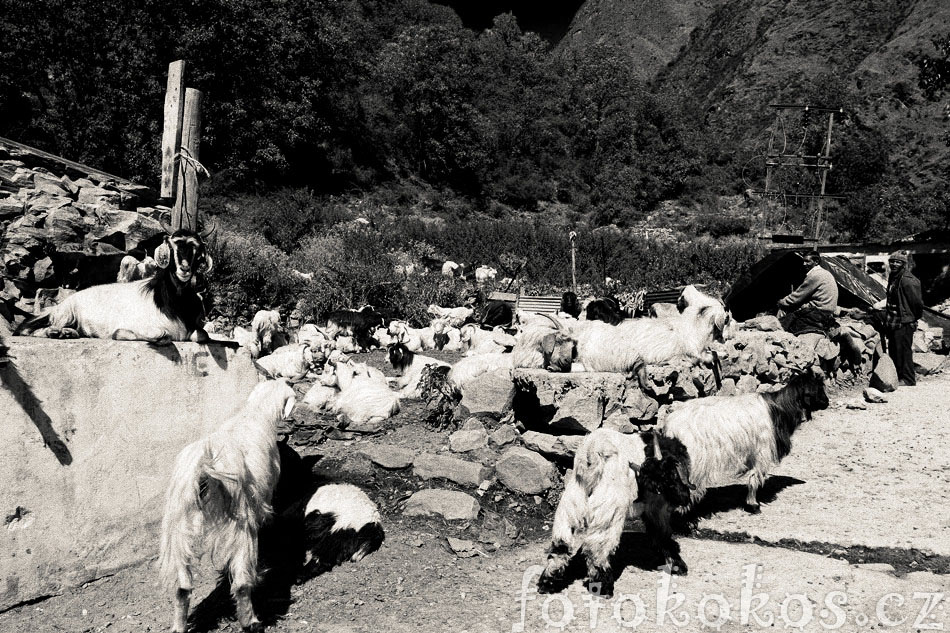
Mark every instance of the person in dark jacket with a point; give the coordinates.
(904, 307)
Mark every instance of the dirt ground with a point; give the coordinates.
(854, 535)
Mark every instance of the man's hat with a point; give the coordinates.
(898, 256)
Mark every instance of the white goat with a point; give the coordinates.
(221, 489)
(600, 493)
(416, 339)
(363, 398)
(312, 335)
(161, 309)
(469, 368)
(445, 337)
(131, 269)
(290, 361)
(484, 274)
(266, 330)
(544, 347)
(449, 268)
(455, 317)
(478, 341)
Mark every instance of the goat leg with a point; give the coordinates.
(657, 517)
(245, 610)
(182, 602)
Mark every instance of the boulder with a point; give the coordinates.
(447, 504)
(492, 392)
(525, 471)
(470, 437)
(429, 466)
(559, 445)
(503, 435)
(388, 456)
(929, 363)
(884, 375)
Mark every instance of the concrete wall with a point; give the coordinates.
(89, 430)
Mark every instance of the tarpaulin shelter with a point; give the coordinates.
(780, 272)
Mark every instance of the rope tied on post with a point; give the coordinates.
(184, 155)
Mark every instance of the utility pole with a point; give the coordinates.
(820, 162)
(181, 139)
(573, 236)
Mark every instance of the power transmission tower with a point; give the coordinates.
(819, 162)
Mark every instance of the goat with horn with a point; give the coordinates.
(161, 309)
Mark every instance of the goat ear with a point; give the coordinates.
(209, 262)
(683, 474)
(548, 343)
(163, 254)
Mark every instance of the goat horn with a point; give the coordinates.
(557, 323)
(656, 447)
(165, 225)
(206, 234)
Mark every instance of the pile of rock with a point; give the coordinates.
(64, 228)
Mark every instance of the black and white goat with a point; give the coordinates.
(360, 324)
(221, 490)
(743, 437)
(161, 309)
(409, 366)
(341, 523)
(611, 475)
(606, 309)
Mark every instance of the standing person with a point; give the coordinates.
(812, 306)
(905, 305)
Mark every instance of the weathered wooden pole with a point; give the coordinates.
(171, 132)
(573, 236)
(185, 214)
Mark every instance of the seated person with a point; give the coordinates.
(812, 306)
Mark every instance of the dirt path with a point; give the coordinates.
(876, 478)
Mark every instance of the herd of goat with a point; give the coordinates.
(222, 487)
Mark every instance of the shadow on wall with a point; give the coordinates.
(25, 397)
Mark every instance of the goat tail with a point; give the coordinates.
(200, 497)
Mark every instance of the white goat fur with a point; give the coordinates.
(363, 398)
(471, 367)
(599, 494)
(221, 489)
(453, 316)
(290, 361)
(265, 328)
(103, 311)
(729, 439)
(478, 341)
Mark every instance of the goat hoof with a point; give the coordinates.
(601, 584)
(254, 627)
(752, 509)
(677, 567)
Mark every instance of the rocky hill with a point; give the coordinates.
(736, 57)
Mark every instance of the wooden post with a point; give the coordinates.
(171, 132)
(824, 176)
(185, 214)
(573, 236)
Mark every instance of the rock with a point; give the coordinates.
(448, 504)
(560, 445)
(97, 196)
(728, 387)
(465, 440)
(884, 374)
(764, 323)
(429, 466)
(463, 548)
(525, 471)
(827, 350)
(929, 363)
(884, 567)
(388, 456)
(373, 425)
(43, 270)
(48, 184)
(747, 384)
(855, 404)
(10, 208)
(503, 435)
(491, 392)
(873, 395)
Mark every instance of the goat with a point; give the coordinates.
(341, 523)
(484, 274)
(266, 331)
(449, 268)
(446, 338)
(600, 493)
(497, 314)
(471, 367)
(221, 488)
(479, 341)
(409, 365)
(356, 323)
(743, 436)
(131, 269)
(545, 348)
(312, 335)
(606, 309)
(291, 362)
(455, 317)
(363, 398)
(161, 309)
(570, 305)
(415, 339)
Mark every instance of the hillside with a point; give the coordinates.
(734, 58)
